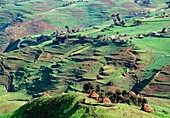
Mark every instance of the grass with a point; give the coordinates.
(8, 106)
(94, 71)
(69, 105)
(153, 51)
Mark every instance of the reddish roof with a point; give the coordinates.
(106, 100)
(146, 108)
(132, 93)
(94, 95)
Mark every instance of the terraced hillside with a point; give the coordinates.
(60, 48)
(110, 55)
(20, 18)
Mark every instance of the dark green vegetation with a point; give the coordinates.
(128, 51)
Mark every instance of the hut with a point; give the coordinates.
(106, 100)
(146, 108)
(140, 36)
(132, 93)
(94, 95)
(46, 94)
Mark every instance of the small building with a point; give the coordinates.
(140, 36)
(94, 95)
(106, 100)
(147, 108)
(153, 33)
(132, 93)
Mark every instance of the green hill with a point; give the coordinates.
(71, 106)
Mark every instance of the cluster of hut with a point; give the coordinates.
(162, 33)
(155, 34)
(163, 15)
(73, 2)
(145, 107)
(123, 39)
(60, 33)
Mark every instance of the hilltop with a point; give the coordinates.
(71, 106)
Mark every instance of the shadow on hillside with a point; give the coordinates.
(138, 87)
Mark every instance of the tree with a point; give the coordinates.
(88, 87)
(123, 23)
(98, 88)
(146, 2)
(164, 30)
(118, 92)
(102, 95)
(118, 17)
(117, 32)
(113, 17)
(125, 93)
(67, 28)
(137, 22)
(135, 1)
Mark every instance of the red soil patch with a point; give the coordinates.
(167, 68)
(112, 109)
(157, 89)
(44, 25)
(29, 27)
(88, 65)
(163, 78)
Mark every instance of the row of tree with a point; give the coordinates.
(117, 96)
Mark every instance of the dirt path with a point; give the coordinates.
(146, 63)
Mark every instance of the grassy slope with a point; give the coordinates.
(21, 18)
(70, 106)
(159, 53)
(8, 106)
(67, 65)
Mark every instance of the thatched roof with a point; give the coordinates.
(106, 100)
(147, 108)
(132, 93)
(94, 95)
(140, 36)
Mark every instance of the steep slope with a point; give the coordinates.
(65, 63)
(19, 18)
(134, 56)
(71, 60)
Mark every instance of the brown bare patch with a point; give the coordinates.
(112, 109)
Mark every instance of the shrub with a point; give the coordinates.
(118, 91)
(102, 95)
(88, 87)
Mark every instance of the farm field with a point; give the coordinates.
(66, 51)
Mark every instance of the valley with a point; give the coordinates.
(52, 53)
